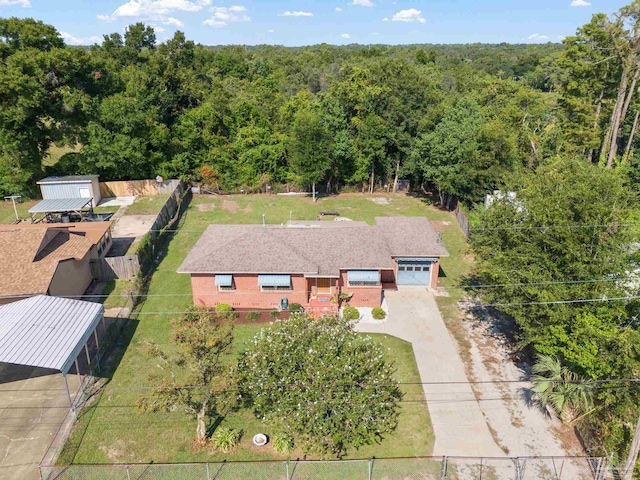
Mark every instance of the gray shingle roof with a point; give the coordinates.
(313, 249)
(57, 205)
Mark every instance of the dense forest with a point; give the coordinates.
(555, 123)
(355, 116)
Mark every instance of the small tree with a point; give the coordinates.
(322, 383)
(555, 386)
(208, 389)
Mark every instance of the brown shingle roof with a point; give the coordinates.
(29, 258)
(93, 231)
(314, 250)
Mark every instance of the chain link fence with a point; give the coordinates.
(423, 468)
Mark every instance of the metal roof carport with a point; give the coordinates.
(61, 205)
(48, 332)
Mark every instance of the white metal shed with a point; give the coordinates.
(48, 332)
(75, 186)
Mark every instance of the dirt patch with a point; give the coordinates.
(380, 200)
(206, 207)
(248, 209)
(440, 225)
(230, 206)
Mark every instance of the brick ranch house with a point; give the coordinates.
(257, 267)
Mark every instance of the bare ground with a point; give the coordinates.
(519, 426)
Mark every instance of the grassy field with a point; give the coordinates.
(147, 205)
(112, 429)
(7, 215)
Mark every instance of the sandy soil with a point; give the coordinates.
(519, 427)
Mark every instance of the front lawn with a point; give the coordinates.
(112, 430)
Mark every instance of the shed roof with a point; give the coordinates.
(68, 179)
(59, 205)
(46, 332)
(316, 250)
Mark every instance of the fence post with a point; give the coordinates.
(128, 474)
(443, 471)
(287, 468)
(370, 468)
(208, 474)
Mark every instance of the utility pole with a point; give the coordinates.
(13, 199)
(633, 454)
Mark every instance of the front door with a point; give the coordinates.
(323, 285)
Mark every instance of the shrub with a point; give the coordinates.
(283, 442)
(223, 308)
(295, 307)
(350, 313)
(345, 297)
(226, 439)
(378, 313)
(253, 316)
(274, 314)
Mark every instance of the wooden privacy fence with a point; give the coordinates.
(115, 268)
(130, 188)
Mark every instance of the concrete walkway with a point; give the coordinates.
(458, 423)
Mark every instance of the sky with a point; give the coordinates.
(307, 22)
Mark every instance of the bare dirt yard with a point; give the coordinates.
(519, 426)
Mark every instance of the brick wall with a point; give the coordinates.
(247, 294)
(362, 296)
(435, 270)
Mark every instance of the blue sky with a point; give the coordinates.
(305, 22)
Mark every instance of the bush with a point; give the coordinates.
(223, 308)
(283, 443)
(378, 313)
(253, 316)
(295, 307)
(274, 314)
(226, 439)
(350, 313)
(345, 297)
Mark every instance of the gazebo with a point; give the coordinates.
(48, 332)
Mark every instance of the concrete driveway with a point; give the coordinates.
(458, 423)
(33, 406)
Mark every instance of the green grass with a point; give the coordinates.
(55, 153)
(147, 205)
(7, 215)
(112, 429)
(115, 291)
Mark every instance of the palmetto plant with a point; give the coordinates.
(564, 392)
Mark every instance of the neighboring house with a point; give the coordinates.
(98, 233)
(75, 186)
(311, 263)
(43, 261)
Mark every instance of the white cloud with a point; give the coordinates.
(173, 21)
(338, 9)
(580, 3)
(536, 37)
(79, 40)
(271, 30)
(297, 13)
(22, 3)
(159, 29)
(561, 37)
(106, 18)
(222, 16)
(385, 19)
(345, 35)
(363, 3)
(410, 15)
(157, 8)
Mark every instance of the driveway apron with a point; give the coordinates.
(458, 423)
